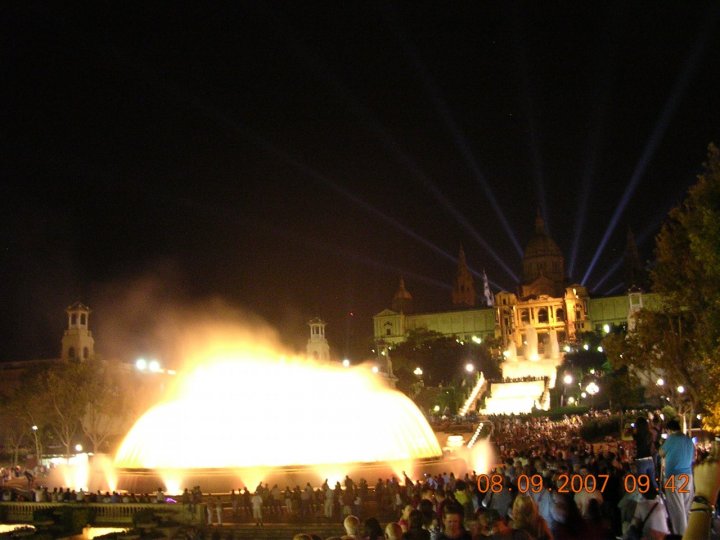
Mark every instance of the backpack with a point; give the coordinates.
(635, 531)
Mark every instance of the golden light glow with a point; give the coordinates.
(244, 406)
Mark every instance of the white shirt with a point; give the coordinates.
(657, 520)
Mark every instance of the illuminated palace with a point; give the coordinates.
(533, 324)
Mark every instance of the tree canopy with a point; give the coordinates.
(680, 342)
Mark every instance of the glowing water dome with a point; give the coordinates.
(252, 410)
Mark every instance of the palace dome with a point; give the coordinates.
(543, 264)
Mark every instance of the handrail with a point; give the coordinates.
(105, 513)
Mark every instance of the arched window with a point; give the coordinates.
(71, 352)
(542, 315)
(82, 319)
(560, 314)
(86, 353)
(524, 316)
(73, 319)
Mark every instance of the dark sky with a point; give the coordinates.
(294, 158)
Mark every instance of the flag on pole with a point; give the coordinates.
(489, 298)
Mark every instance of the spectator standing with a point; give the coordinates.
(218, 510)
(644, 450)
(257, 503)
(678, 452)
(453, 528)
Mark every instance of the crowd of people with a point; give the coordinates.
(551, 484)
(548, 484)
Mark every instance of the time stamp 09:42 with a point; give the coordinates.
(575, 483)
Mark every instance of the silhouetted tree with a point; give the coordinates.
(679, 341)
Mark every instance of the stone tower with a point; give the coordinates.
(463, 294)
(635, 275)
(402, 301)
(317, 346)
(543, 265)
(77, 341)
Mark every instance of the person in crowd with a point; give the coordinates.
(351, 524)
(707, 485)
(373, 530)
(677, 452)
(218, 510)
(500, 501)
(584, 497)
(405, 516)
(644, 450)
(453, 527)
(257, 508)
(651, 516)
(525, 517)
(416, 530)
(393, 531)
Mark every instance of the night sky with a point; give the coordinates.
(293, 159)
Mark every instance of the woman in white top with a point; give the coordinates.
(651, 510)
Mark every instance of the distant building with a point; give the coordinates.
(77, 341)
(544, 301)
(318, 347)
(77, 344)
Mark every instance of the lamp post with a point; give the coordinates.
(37, 443)
(592, 389)
(567, 381)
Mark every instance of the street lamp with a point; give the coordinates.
(418, 371)
(78, 447)
(346, 363)
(568, 380)
(37, 443)
(681, 389)
(660, 381)
(592, 389)
(469, 367)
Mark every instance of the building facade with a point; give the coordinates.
(544, 302)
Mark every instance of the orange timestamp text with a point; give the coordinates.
(576, 483)
(533, 483)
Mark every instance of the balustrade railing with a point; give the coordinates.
(105, 513)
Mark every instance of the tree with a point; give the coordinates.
(443, 358)
(65, 390)
(679, 342)
(13, 423)
(110, 393)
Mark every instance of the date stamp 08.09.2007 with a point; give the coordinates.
(576, 483)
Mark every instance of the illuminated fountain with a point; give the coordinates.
(245, 414)
(531, 376)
